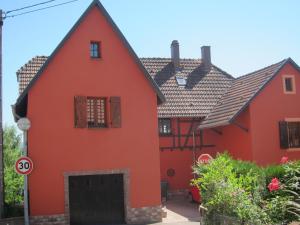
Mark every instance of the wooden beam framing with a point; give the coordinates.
(187, 147)
(179, 133)
(189, 133)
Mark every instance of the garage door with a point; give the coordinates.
(96, 199)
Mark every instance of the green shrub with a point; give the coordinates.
(239, 189)
(13, 182)
(274, 171)
(230, 191)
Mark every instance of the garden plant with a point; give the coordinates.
(248, 193)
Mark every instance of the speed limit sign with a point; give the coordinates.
(24, 165)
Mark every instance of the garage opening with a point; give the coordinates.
(96, 199)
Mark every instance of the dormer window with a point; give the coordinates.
(181, 81)
(289, 84)
(95, 49)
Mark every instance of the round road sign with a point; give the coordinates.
(23, 124)
(24, 165)
(204, 158)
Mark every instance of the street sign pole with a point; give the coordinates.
(1, 128)
(26, 214)
(24, 125)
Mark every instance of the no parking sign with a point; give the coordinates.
(24, 165)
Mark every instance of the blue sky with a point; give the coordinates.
(243, 35)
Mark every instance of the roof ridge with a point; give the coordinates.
(169, 58)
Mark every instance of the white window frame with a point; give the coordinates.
(293, 84)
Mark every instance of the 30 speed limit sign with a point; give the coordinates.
(24, 165)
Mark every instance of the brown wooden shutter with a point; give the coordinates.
(80, 111)
(283, 132)
(115, 112)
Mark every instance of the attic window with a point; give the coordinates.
(181, 81)
(289, 84)
(95, 49)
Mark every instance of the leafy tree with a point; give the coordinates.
(13, 182)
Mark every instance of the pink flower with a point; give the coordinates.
(274, 185)
(284, 160)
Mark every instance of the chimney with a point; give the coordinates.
(175, 54)
(206, 60)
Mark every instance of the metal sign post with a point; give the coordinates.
(24, 125)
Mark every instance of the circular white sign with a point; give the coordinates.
(24, 165)
(23, 124)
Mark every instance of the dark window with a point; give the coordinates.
(95, 49)
(288, 84)
(164, 126)
(96, 112)
(289, 134)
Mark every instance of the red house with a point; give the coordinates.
(93, 139)
(255, 117)
(102, 108)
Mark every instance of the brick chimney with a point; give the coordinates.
(206, 60)
(175, 54)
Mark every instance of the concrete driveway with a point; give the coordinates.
(180, 211)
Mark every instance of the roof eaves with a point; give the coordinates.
(284, 62)
(107, 16)
(213, 125)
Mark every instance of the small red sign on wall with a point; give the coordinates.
(204, 158)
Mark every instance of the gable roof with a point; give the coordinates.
(23, 96)
(200, 94)
(242, 91)
(196, 99)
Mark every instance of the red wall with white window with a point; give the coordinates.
(268, 108)
(56, 147)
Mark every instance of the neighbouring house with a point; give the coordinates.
(190, 107)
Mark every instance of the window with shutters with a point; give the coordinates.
(164, 126)
(92, 112)
(289, 84)
(289, 134)
(96, 112)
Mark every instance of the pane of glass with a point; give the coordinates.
(294, 134)
(181, 81)
(288, 84)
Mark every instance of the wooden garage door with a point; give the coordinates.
(96, 199)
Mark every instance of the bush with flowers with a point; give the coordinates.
(251, 194)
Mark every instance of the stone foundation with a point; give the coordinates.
(133, 216)
(144, 215)
(60, 219)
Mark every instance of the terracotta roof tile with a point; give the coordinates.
(195, 99)
(29, 70)
(242, 90)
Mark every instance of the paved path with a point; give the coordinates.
(180, 211)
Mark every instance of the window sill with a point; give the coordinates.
(96, 58)
(165, 135)
(97, 128)
(293, 149)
